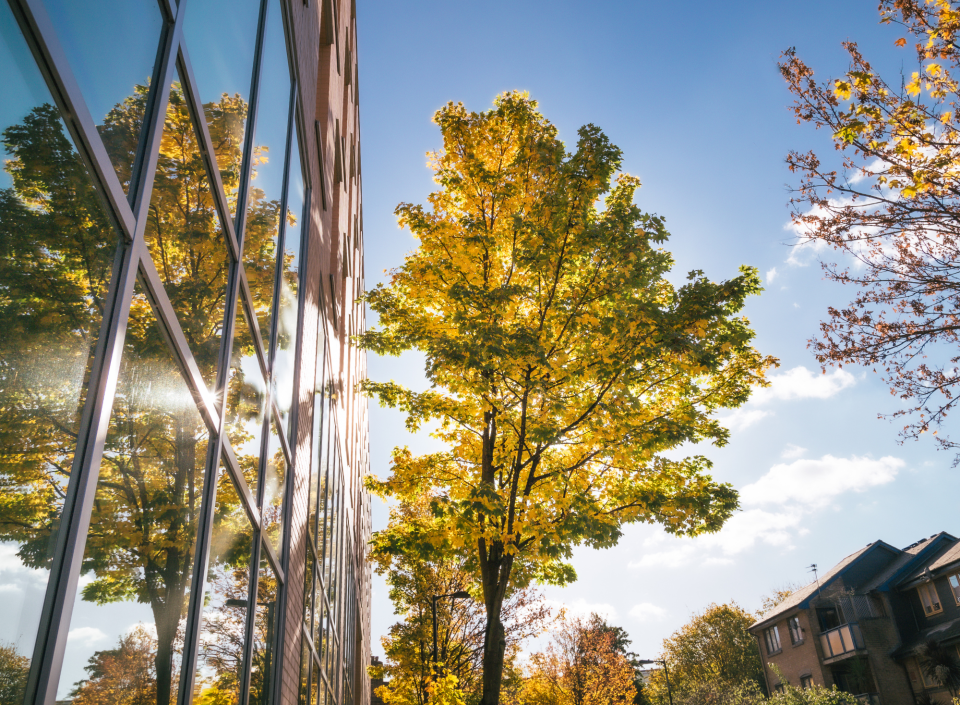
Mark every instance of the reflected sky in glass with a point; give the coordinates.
(94, 35)
(220, 37)
(270, 140)
(21, 84)
(289, 290)
(274, 488)
(246, 400)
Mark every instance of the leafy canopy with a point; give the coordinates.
(562, 362)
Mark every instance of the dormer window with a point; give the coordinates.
(930, 599)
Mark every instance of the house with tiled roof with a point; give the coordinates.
(859, 625)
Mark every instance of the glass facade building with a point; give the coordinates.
(182, 515)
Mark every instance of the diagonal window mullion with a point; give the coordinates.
(189, 87)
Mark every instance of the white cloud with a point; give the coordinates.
(647, 612)
(739, 419)
(777, 509)
(86, 635)
(582, 608)
(801, 383)
(792, 451)
(771, 274)
(815, 483)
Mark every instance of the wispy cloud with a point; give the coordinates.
(582, 608)
(816, 483)
(801, 383)
(771, 274)
(86, 635)
(792, 451)
(739, 419)
(647, 612)
(777, 508)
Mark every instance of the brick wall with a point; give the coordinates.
(328, 107)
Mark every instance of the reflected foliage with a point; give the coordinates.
(57, 250)
(56, 253)
(14, 670)
(121, 676)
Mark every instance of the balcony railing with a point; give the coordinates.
(841, 640)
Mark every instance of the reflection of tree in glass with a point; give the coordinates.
(56, 252)
(121, 676)
(223, 639)
(14, 670)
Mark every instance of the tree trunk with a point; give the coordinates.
(494, 648)
(164, 664)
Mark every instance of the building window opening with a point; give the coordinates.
(930, 599)
(955, 586)
(796, 631)
(829, 618)
(772, 638)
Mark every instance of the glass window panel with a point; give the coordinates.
(325, 510)
(246, 400)
(287, 316)
(56, 255)
(318, 690)
(185, 238)
(306, 666)
(263, 635)
(309, 574)
(270, 143)
(223, 630)
(221, 36)
(333, 548)
(138, 559)
(318, 479)
(274, 488)
(93, 36)
(955, 587)
(320, 619)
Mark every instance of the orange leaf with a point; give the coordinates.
(902, 42)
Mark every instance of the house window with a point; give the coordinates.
(772, 637)
(955, 586)
(806, 682)
(796, 631)
(930, 599)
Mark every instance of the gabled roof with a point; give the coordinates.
(949, 557)
(883, 579)
(800, 598)
(946, 551)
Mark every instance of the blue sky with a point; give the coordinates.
(692, 95)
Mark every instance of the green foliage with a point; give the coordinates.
(562, 363)
(14, 670)
(713, 649)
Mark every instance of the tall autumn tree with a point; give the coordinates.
(888, 206)
(562, 362)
